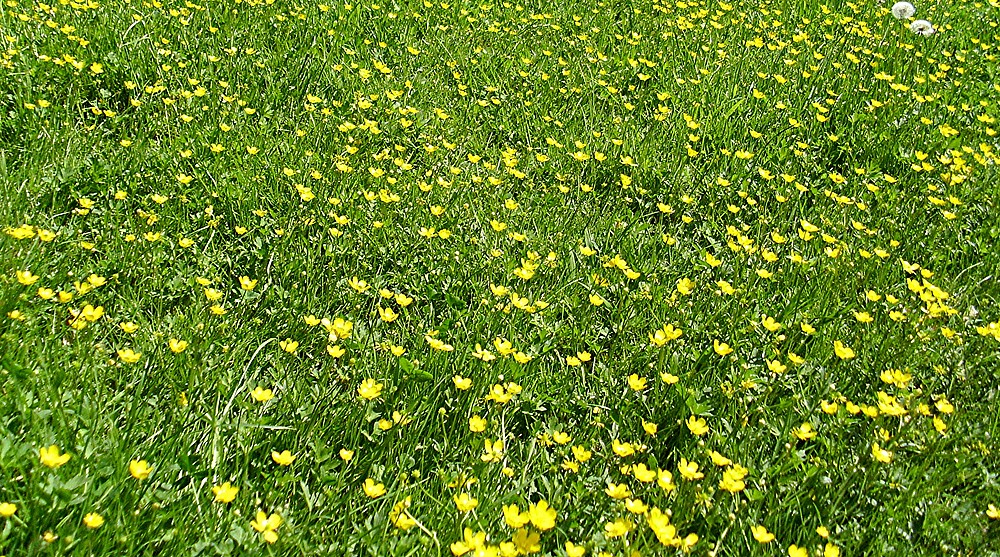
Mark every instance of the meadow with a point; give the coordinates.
(515, 277)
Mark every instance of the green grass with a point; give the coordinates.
(780, 176)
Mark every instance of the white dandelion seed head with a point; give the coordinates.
(903, 10)
(922, 27)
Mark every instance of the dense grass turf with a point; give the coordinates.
(569, 278)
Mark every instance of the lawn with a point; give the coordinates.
(499, 278)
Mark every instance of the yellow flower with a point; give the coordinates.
(804, 432)
(618, 491)
(7, 510)
(685, 286)
(213, 295)
(697, 425)
(664, 335)
(370, 389)
(581, 454)
(622, 449)
(993, 512)
(761, 534)
(718, 459)
(636, 506)
(831, 550)
(721, 348)
(618, 528)
(357, 285)
(513, 516)
(526, 542)
(400, 517)
(669, 378)
(177, 346)
(246, 283)
(880, 454)
(264, 523)
(477, 424)
(373, 489)
(289, 345)
(93, 521)
(665, 480)
(283, 458)
(643, 473)
(140, 469)
(732, 481)
(493, 452)
(225, 493)
(573, 550)
(842, 351)
(387, 314)
(128, 356)
(636, 383)
(261, 395)
(796, 551)
(50, 456)
(26, 277)
(346, 455)
(689, 470)
(465, 502)
(542, 515)
(461, 383)
(472, 541)
(770, 324)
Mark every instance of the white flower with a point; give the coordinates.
(922, 27)
(903, 10)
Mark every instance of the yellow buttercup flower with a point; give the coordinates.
(465, 502)
(689, 470)
(843, 351)
(7, 510)
(636, 383)
(284, 458)
(761, 534)
(93, 521)
(697, 425)
(796, 551)
(139, 469)
(129, 356)
(51, 457)
(260, 394)
(880, 454)
(27, 278)
(370, 389)
(373, 489)
(721, 348)
(542, 516)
